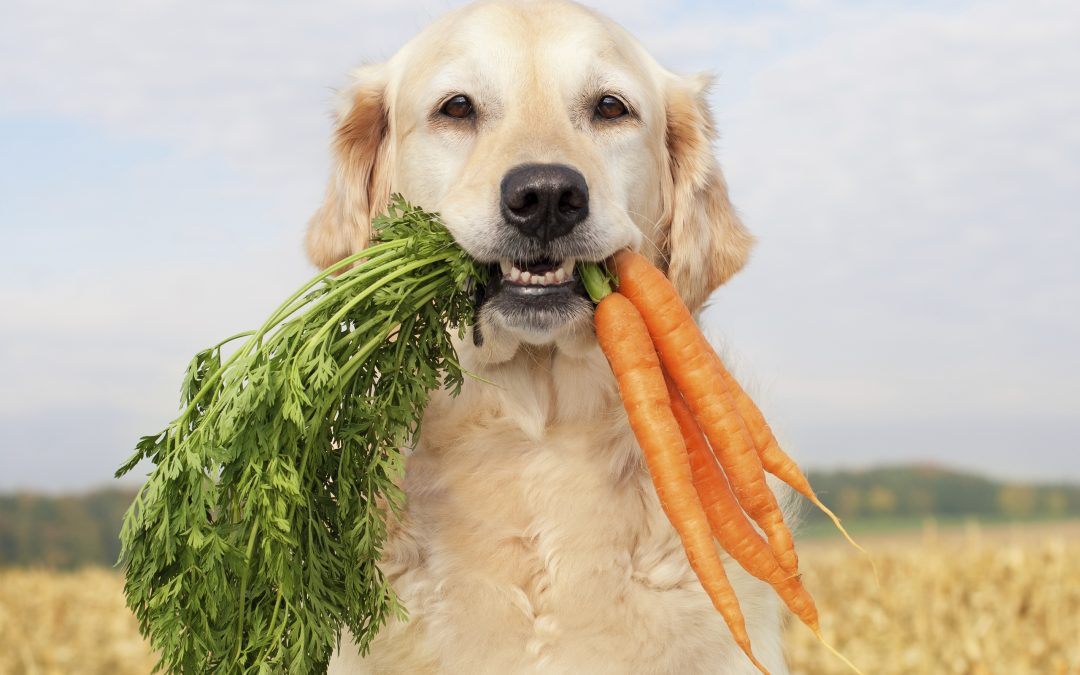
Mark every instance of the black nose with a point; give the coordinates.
(544, 201)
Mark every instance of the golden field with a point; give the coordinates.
(971, 602)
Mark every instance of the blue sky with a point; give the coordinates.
(912, 171)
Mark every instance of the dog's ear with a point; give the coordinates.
(705, 242)
(359, 186)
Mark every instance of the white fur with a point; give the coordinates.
(532, 540)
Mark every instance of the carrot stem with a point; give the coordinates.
(597, 280)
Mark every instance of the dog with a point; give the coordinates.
(532, 540)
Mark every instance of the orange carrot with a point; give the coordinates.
(690, 361)
(729, 524)
(733, 530)
(773, 458)
(625, 341)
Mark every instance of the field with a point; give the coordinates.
(965, 601)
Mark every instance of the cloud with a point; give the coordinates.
(911, 176)
(250, 82)
(909, 168)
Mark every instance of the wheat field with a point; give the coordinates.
(971, 602)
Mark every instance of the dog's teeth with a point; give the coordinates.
(539, 279)
(560, 275)
(506, 266)
(525, 276)
(567, 267)
(549, 278)
(515, 274)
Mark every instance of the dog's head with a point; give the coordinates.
(543, 134)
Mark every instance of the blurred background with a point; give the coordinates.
(908, 322)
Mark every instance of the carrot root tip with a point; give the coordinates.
(836, 521)
(836, 652)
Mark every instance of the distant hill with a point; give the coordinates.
(925, 491)
(62, 531)
(73, 530)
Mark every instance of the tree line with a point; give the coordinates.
(62, 531)
(904, 491)
(67, 531)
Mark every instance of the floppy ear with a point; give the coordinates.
(359, 186)
(706, 243)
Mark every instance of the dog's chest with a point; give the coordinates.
(547, 555)
(533, 542)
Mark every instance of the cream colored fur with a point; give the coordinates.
(532, 540)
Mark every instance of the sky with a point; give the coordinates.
(911, 170)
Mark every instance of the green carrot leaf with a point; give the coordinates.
(256, 537)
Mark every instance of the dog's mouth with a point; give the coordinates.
(537, 276)
(536, 296)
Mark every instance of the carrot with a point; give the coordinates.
(773, 458)
(691, 363)
(625, 341)
(631, 329)
(729, 524)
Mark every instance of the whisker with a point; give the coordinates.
(653, 225)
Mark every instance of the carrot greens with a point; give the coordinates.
(256, 536)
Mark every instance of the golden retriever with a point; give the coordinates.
(533, 541)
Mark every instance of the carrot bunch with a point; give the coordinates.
(706, 443)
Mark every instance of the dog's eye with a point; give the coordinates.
(610, 108)
(459, 107)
